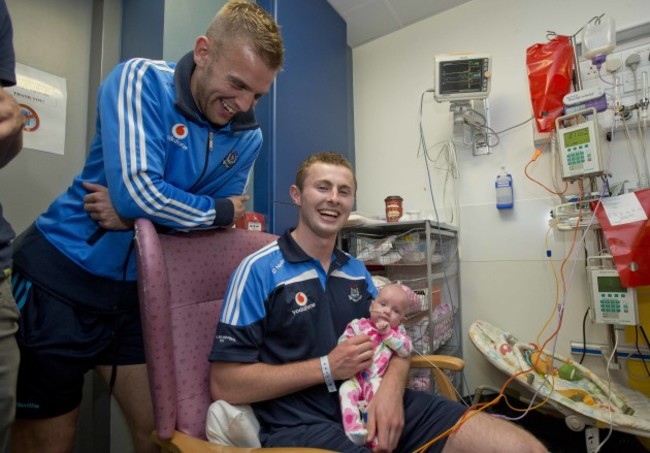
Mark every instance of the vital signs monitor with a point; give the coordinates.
(462, 77)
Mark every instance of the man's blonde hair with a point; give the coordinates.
(242, 21)
(325, 157)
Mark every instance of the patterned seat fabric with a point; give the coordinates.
(181, 282)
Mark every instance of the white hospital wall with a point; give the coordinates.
(505, 275)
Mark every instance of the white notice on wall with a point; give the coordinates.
(623, 209)
(42, 97)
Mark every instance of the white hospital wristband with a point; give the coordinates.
(327, 374)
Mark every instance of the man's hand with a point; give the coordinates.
(12, 119)
(238, 202)
(12, 122)
(386, 410)
(350, 357)
(98, 204)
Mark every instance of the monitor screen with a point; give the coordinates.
(610, 285)
(576, 137)
(462, 77)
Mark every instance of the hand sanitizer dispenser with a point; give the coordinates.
(505, 194)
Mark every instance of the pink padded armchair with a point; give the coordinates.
(182, 279)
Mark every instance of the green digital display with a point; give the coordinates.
(577, 137)
(610, 285)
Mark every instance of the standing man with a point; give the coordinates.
(276, 340)
(174, 143)
(11, 142)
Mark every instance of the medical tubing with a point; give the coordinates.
(645, 182)
(554, 158)
(609, 393)
(630, 148)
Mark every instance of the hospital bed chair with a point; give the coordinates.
(182, 279)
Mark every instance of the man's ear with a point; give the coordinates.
(294, 192)
(201, 51)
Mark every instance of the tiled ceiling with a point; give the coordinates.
(371, 19)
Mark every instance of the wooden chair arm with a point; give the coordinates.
(437, 363)
(446, 362)
(182, 443)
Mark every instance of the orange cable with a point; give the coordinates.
(536, 154)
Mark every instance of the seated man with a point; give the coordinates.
(276, 341)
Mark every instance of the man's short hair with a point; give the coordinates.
(325, 157)
(243, 21)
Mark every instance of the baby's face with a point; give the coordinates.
(389, 306)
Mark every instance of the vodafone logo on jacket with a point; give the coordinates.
(303, 303)
(301, 299)
(179, 131)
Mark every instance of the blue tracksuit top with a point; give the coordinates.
(160, 158)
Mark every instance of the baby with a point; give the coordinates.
(387, 311)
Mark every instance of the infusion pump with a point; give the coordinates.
(611, 302)
(578, 138)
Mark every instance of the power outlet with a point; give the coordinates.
(481, 147)
(588, 71)
(592, 439)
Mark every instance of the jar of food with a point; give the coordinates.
(393, 208)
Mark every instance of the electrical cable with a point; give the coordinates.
(473, 410)
(515, 126)
(453, 170)
(609, 393)
(469, 413)
(584, 336)
(536, 154)
(629, 372)
(636, 344)
(482, 406)
(484, 129)
(433, 365)
(645, 337)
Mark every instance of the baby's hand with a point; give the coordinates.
(382, 327)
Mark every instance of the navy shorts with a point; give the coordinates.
(426, 416)
(59, 343)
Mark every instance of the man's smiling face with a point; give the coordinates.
(228, 83)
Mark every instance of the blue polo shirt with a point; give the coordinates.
(281, 307)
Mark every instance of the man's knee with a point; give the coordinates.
(483, 432)
(54, 435)
(131, 390)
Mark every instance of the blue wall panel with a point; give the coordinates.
(143, 22)
(309, 108)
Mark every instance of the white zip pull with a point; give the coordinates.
(210, 140)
